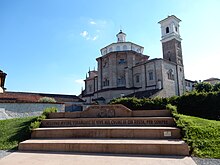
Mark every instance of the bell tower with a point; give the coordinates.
(172, 49)
(171, 41)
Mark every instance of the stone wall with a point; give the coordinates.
(17, 110)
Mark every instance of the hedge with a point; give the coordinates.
(203, 104)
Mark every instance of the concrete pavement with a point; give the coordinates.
(55, 158)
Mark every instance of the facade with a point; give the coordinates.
(123, 69)
(190, 85)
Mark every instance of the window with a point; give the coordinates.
(139, 50)
(176, 29)
(137, 78)
(125, 47)
(118, 48)
(167, 30)
(105, 63)
(151, 76)
(106, 82)
(90, 88)
(110, 49)
(121, 81)
(121, 61)
(170, 74)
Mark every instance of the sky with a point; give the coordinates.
(48, 46)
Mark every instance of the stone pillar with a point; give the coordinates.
(99, 60)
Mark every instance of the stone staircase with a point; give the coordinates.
(111, 129)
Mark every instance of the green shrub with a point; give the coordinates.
(44, 115)
(199, 104)
(49, 110)
(141, 104)
(35, 124)
(47, 100)
(172, 108)
(203, 104)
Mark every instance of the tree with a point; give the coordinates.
(216, 87)
(204, 87)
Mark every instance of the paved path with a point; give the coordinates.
(32, 158)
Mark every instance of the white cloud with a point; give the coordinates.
(95, 38)
(87, 36)
(92, 22)
(84, 34)
(79, 81)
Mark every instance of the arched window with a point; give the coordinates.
(167, 30)
(125, 47)
(151, 75)
(176, 29)
(106, 82)
(170, 74)
(118, 48)
(110, 49)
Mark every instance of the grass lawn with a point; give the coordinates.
(13, 131)
(202, 135)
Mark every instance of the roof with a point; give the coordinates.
(190, 81)
(25, 97)
(168, 17)
(212, 79)
(2, 73)
(143, 94)
(121, 32)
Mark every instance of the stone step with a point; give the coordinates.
(134, 113)
(108, 132)
(122, 121)
(113, 146)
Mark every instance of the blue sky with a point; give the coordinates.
(49, 45)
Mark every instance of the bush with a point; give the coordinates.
(49, 110)
(34, 125)
(141, 104)
(47, 100)
(203, 104)
(44, 115)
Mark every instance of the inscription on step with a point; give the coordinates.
(107, 122)
(106, 113)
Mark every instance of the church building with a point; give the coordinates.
(124, 71)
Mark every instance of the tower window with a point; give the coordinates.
(176, 29)
(167, 30)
